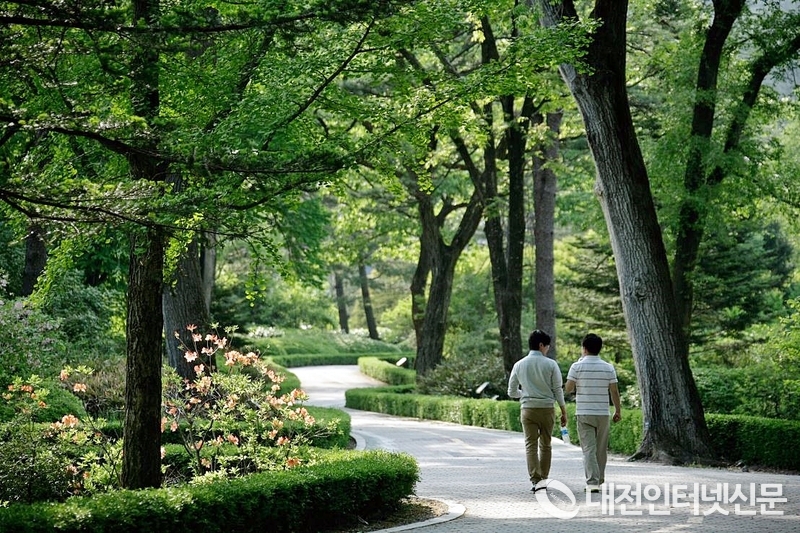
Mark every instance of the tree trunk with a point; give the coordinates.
(506, 258)
(544, 207)
(141, 459)
(184, 304)
(366, 300)
(442, 259)
(419, 282)
(208, 268)
(434, 324)
(674, 424)
(341, 302)
(35, 258)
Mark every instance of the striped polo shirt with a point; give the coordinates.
(592, 376)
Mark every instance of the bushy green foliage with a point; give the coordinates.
(84, 311)
(104, 396)
(32, 342)
(33, 468)
(730, 298)
(59, 402)
(755, 440)
(333, 491)
(316, 341)
(35, 463)
(278, 302)
(759, 389)
(461, 374)
(402, 400)
(472, 313)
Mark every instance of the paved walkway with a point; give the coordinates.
(481, 474)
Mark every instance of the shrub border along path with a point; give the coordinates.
(303, 499)
(755, 441)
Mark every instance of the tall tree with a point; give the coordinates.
(100, 89)
(441, 257)
(544, 192)
(141, 463)
(484, 71)
(674, 423)
(773, 42)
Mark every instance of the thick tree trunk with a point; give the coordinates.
(35, 258)
(366, 299)
(674, 424)
(434, 324)
(184, 304)
(506, 259)
(141, 460)
(544, 206)
(441, 258)
(341, 302)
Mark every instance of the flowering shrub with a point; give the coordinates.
(231, 424)
(34, 463)
(100, 459)
(228, 424)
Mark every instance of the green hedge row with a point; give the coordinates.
(318, 359)
(753, 440)
(401, 401)
(386, 370)
(334, 491)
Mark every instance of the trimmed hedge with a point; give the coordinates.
(753, 440)
(386, 370)
(343, 485)
(316, 359)
(401, 401)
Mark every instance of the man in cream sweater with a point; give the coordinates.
(536, 381)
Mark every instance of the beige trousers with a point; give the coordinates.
(537, 425)
(593, 432)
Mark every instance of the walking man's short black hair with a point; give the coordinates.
(593, 343)
(538, 337)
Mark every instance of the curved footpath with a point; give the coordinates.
(481, 474)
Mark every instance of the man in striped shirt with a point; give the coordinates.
(593, 378)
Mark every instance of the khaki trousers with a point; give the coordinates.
(593, 432)
(537, 425)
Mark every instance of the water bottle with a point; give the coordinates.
(564, 434)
